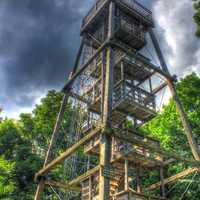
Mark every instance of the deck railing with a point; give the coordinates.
(140, 9)
(92, 12)
(131, 28)
(125, 90)
(122, 146)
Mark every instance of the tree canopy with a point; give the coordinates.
(23, 142)
(197, 16)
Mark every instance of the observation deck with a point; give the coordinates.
(122, 150)
(133, 101)
(131, 7)
(129, 98)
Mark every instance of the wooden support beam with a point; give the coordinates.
(187, 127)
(61, 113)
(158, 51)
(132, 139)
(81, 70)
(81, 178)
(159, 88)
(55, 134)
(150, 66)
(78, 57)
(138, 180)
(163, 193)
(126, 175)
(186, 124)
(67, 153)
(105, 140)
(52, 144)
(39, 190)
(174, 178)
(73, 185)
(62, 185)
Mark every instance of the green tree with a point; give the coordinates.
(197, 16)
(17, 149)
(167, 127)
(7, 185)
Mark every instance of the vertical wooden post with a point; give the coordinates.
(122, 71)
(187, 127)
(186, 124)
(52, 144)
(103, 76)
(105, 142)
(163, 194)
(39, 191)
(138, 180)
(126, 181)
(55, 134)
(90, 188)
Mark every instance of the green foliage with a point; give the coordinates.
(197, 16)
(23, 142)
(18, 150)
(7, 186)
(167, 127)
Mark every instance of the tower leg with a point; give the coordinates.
(138, 180)
(163, 193)
(104, 181)
(39, 191)
(179, 106)
(126, 175)
(185, 122)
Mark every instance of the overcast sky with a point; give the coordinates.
(39, 40)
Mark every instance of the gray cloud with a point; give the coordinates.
(39, 40)
(38, 43)
(176, 30)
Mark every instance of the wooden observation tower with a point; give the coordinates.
(117, 88)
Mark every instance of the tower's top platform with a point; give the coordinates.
(132, 7)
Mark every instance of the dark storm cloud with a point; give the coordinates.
(176, 30)
(38, 42)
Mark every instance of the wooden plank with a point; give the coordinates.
(150, 66)
(39, 190)
(162, 188)
(105, 140)
(55, 134)
(132, 139)
(67, 153)
(159, 88)
(158, 51)
(52, 144)
(174, 178)
(83, 177)
(63, 185)
(186, 124)
(93, 16)
(73, 78)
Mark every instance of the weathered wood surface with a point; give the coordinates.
(174, 178)
(62, 185)
(67, 153)
(186, 124)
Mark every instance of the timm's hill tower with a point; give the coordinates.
(116, 89)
